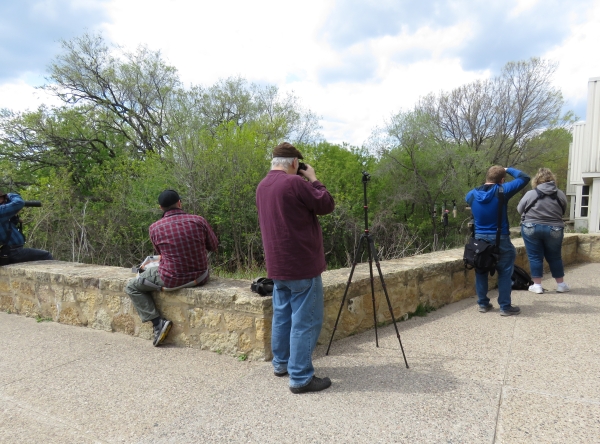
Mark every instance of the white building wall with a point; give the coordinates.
(592, 126)
(577, 158)
(584, 163)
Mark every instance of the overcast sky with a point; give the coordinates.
(352, 62)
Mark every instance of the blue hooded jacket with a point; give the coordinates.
(8, 210)
(483, 201)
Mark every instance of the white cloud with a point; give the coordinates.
(18, 95)
(522, 6)
(275, 43)
(263, 40)
(352, 110)
(354, 87)
(578, 58)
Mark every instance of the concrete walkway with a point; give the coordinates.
(473, 378)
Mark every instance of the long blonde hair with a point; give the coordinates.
(543, 175)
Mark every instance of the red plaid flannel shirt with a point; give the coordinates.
(182, 241)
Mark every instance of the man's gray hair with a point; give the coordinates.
(284, 162)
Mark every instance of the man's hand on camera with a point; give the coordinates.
(309, 173)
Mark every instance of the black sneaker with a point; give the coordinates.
(161, 331)
(510, 311)
(280, 374)
(485, 308)
(315, 385)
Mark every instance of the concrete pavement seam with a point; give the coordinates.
(508, 356)
(40, 372)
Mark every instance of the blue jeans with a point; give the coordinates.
(18, 255)
(504, 268)
(543, 241)
(297, 321)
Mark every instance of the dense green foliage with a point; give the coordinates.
(128, 128)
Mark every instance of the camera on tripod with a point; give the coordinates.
(366, 240)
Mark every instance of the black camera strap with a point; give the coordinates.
(499, 223)
(5, 249)
(8, 234)
(541, 195)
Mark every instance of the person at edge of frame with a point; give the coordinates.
(182, 241)
(542, 229)
(10, 205)
(289, 201)
(483, 201)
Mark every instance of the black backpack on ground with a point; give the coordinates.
(520, 279)
(263, 286)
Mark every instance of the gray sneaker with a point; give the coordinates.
(161, 331)
(485, 308)
(510, 311)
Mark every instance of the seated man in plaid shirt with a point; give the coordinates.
(181, 240)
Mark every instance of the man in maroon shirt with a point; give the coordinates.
(181, 240)
(288, 205)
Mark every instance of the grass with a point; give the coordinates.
(38, 318)
(242, 357)
(422, 310)
(248, 274)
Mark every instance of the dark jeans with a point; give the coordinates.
(504, 267)
(18, 255)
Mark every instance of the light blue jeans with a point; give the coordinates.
(543, 241)
(504, 268)
(297, 321)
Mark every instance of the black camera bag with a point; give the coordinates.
(481, 255)
(263, 286)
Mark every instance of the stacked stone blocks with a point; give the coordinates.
(225, 316)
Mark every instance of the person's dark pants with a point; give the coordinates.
(20, 254)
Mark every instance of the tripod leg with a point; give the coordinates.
(356, 254)
(374, 253)
(370, 242)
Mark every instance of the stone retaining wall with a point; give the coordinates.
(225, 316)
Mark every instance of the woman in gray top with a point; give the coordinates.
(542, 228)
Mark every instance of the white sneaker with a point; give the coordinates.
(562, 287)
(536, 288)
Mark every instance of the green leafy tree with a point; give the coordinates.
(128, 93)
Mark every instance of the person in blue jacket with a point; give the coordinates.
(10, 236)
(483, 201)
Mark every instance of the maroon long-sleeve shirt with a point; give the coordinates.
(288, 207)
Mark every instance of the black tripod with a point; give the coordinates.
(366, 237)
